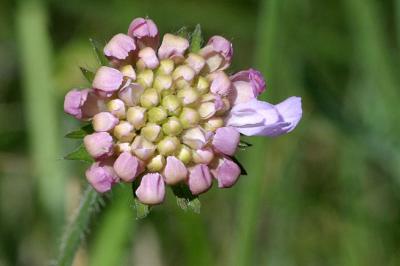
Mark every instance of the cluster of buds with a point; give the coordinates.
(164, 115)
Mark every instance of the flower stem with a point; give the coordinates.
(75, 232)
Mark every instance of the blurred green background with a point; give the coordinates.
(326, 194)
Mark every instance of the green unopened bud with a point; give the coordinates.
(168, 146)
(185, 154)
(137, 116)
(156, 164)
(172, 104)
(123, 147)
(152, 132)
(203, 85)
(128, 71)
(188, 95)
(189, 117)
(124, 131)
(117, 108)
(213, 123)
(162, 83)
(157, 115)
(166, 67)
(145, 78)
(149, 98)
(172, 127)
(143, 148)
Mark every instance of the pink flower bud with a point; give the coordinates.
(220, 84)
(99, 145)
(101, 176)
(107, 80)
(196, 138)
(149, 57)
(130, 94)
(173, 47)
(82, 104)
(151, 189)
(175, 171)
(120, 46)
(127, 166)
(247, 85)
(196, 62)
(203, 156)
(227, 173)
(199, 179)
(104, 121)
(218, 53)
(226, 140)
(145, 32)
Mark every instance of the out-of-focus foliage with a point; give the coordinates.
(326, 194)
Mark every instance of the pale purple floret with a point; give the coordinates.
(104, 121)
(107, 80)
(173, 47)
(247, 85)
(101, 176)
(120, 46)
(257, 118)
(226, 140)
(227, 173)
(99, 145)
(151, 189)
(82, 104)
(199, 179)
(175, 171)
(127, 166)
(145, 32)
(218, 53)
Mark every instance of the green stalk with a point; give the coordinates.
(79, 225)
(116, 231)
(40, 106)
(251, 189)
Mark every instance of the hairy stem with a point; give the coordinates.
(73, 235)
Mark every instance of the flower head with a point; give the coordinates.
(165, 115)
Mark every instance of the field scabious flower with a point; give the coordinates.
(164, 115)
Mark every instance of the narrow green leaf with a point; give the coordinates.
(242, 169)
(196, 39)
(183, 32)
(142, 210)
(98, 50)
(244, 144)
(80, 133)
(80, 154)
(89, 75)
(185, 199)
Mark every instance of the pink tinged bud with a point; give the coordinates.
(226, 140)
(143, 148)
(149, 58)
(82, 104)
(227, 173)
(101, 177)
(203, 156)
(99, 145)
(173, 47)
(199, 179)
(247, 85)
(128, 71)
(257, 118)
(175, 171)
(131, 93)
(104, 121)
(107, 80)
(196, 62)
(117, 108)
(220, 84)
(151, 190)
(218, 53)
(126, 166)
(120, 46)
(196, 138)
(145, 32)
